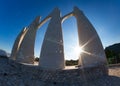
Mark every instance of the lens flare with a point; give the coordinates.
(78, 50)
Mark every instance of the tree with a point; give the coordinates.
(36, 59)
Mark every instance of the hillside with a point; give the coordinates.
(113, 53)
(115, 48)
(3, 53)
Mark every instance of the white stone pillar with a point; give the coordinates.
(93, 53)
(17, 43)
(26, 50)
(52, 53)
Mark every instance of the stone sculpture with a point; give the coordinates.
(17, 43)
(93, 52)
(52, 52)
(26, 51)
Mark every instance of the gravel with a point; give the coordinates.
(11, 77)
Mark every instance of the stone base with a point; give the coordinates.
(27, 60)
(69, 76)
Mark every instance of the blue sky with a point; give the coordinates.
(15, 14)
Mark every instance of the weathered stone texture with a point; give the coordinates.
(52, 53)
(16, 74)
(17, 43)
(26, 51)
(93, 52)
(61, 76)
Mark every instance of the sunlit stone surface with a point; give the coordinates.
(52, 54)
(17, 43)
(90, 69)
(93, 53)
(26, 51)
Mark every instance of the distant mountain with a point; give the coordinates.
(114, 48)
(4, 53)
(113, 53)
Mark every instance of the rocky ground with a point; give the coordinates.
(11, 76)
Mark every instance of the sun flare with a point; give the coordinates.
(78, 50)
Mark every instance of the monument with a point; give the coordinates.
(25, 53)
(52, 52)
(51, 69)
(17, 43)
(93, 52)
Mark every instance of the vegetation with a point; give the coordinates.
(113, 53)
(68, 62)
(36, 59)
(71, 62)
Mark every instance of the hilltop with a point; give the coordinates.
(113, 53)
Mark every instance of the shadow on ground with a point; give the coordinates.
(104, 81)
(10, 77)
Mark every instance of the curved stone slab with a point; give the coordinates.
(17, 43)
(26, 50)
(93, 53)
(52, 53)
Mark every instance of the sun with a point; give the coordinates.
(78, 50)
